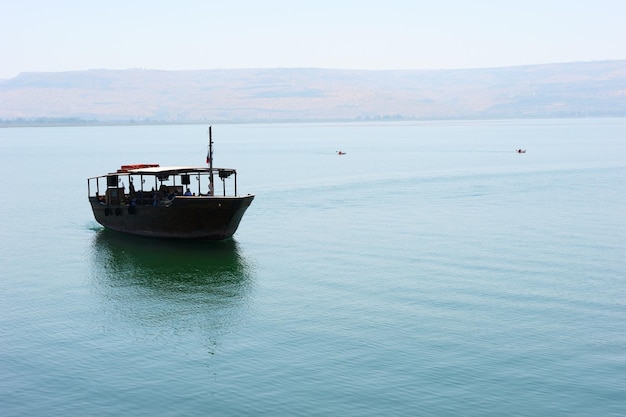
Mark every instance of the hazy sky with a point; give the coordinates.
(62, 35)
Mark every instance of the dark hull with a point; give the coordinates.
(214, 218)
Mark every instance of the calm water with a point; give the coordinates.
(430, 271)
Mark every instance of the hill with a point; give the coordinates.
(581, 89)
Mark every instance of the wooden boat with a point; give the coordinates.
(169, 202)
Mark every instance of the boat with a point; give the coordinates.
(520, 150)
(169, 201)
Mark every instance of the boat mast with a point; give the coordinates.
(210, 161)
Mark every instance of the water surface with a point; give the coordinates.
(429, 271)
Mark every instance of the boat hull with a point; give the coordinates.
(214, 218)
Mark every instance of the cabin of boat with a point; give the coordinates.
(168, 202)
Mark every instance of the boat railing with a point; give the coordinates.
(141, 188)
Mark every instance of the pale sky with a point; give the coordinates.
(67, 35)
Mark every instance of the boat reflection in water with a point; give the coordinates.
(170, 286)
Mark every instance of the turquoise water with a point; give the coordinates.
(430, 271)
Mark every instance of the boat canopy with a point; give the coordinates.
(170, 176)
(172, 170)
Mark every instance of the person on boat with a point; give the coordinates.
(188, 192)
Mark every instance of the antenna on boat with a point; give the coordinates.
(209, 160)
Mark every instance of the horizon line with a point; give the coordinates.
(309, 68)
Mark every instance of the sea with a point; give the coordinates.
(429, 271)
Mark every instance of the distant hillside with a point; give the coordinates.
(305, 94)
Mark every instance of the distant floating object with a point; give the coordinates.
(520, 150)
(340, 153)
